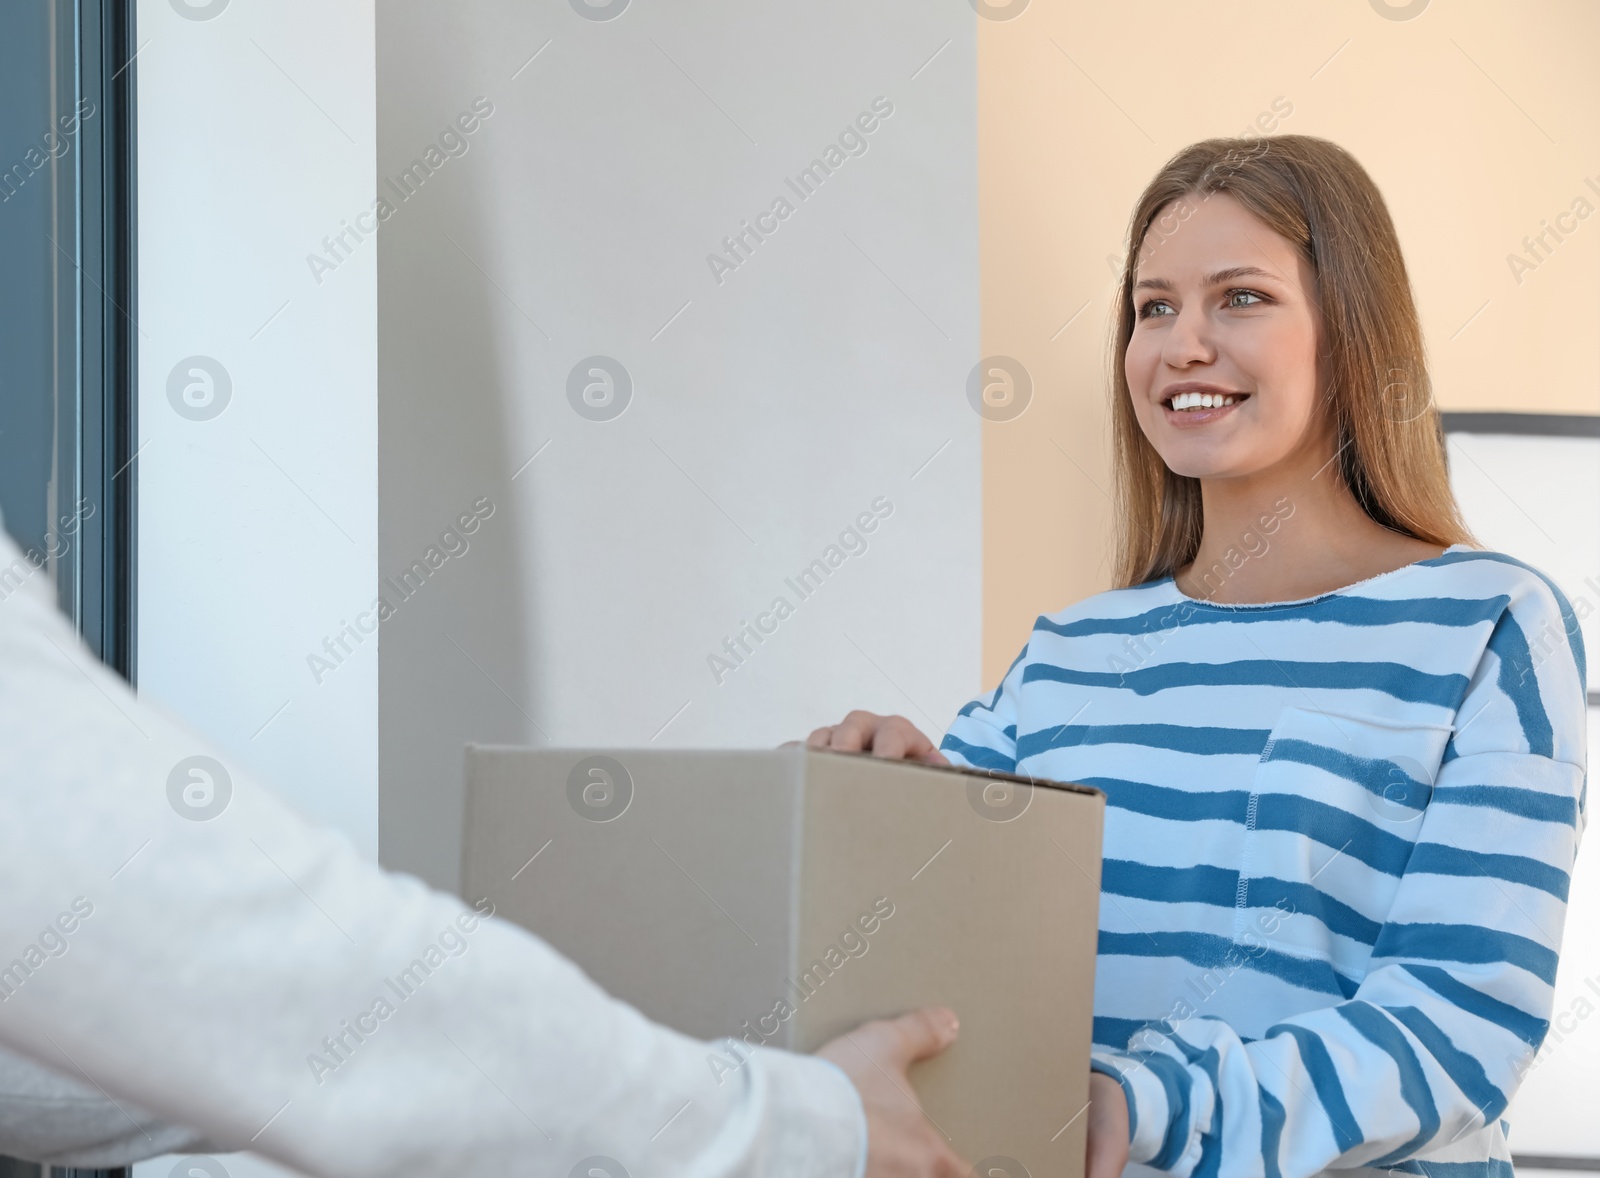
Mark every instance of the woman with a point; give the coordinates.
(1343, 748)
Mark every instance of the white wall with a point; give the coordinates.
(258, 526)
(766, 416)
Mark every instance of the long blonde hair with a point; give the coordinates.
(1391, 451)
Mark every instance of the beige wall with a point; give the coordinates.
(1479, 120)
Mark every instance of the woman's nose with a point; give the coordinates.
(1188, 339)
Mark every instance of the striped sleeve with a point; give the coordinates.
(1460, 988)
(984, 733)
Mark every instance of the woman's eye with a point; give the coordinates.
(1149, 309)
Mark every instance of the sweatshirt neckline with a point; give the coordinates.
(1172, 582)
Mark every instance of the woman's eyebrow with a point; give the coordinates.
(1227, 275)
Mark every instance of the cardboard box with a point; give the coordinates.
(784, 896)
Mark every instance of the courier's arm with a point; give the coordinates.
(254, 977)
(58, 1121)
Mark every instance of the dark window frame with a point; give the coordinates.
(1543, 425)
(104, 595)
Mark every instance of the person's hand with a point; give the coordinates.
(894, 737)
(1107, 1152)
(901, 1141)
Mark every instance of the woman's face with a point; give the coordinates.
(1223, 303)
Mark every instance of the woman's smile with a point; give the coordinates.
(1191, 404)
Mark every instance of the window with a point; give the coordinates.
(67, 323)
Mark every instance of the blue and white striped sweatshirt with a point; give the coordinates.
(1338, 840)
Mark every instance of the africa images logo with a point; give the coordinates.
(199, 388)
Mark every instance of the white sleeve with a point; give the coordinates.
(49, 1119)
(252, 976)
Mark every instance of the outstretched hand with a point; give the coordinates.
(901, 1141)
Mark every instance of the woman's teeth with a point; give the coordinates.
(1202, 400)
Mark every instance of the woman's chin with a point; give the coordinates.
(1205, 466)
(1229, 458)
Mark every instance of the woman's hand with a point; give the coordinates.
(894, 737)
(1108, 1128)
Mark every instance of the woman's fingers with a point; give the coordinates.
(854, 733)
(891, 741)
(1106, 1151)
(902, 739)
(918, 746)
(891, 737)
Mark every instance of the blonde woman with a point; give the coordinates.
(1343, 747)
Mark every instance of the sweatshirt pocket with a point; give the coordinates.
(1335, 806)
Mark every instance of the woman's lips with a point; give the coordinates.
(1194, 418)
